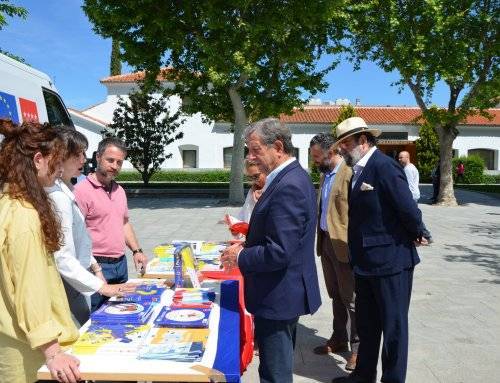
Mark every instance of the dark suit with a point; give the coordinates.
(278, 265)
(383, 223)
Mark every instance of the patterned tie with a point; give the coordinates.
(357, 171)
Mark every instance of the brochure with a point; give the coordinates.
(181, 345)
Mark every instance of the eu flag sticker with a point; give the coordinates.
(8, 108)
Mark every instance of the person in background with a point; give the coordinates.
(460, 172)
(332, 246)
(413, 177)
(35, 320)
(258, 180)
(436, 182)
(411, 174)
(277, 258)
(74, 259)
(103, 204)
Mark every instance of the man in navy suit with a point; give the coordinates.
(385, 224)
(277, 258)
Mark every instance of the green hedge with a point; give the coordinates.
(178, 176)
(474, 170)
(186, 176)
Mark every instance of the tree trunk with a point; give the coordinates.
(446, 195)
(236, 195)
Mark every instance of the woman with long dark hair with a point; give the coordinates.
(35, 320)
(74, 259)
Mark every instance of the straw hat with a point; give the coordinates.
(352, 126)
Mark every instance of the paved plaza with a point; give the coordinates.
(455, 309)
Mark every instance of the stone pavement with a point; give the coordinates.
(455, 310)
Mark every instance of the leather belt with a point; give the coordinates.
(109, 259)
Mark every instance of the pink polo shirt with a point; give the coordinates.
(105, 215)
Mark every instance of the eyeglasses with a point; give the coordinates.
(254, 177)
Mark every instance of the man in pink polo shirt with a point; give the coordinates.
(104, 205)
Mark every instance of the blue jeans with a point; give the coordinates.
(276, 341)
(114, 273)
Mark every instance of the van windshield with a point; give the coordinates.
(56, 111)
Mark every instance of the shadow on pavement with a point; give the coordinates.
(487, 256)
(463, 197)
(320, 368)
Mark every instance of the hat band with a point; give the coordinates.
(352, 131)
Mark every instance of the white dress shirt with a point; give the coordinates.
(271, 176)
(413, 179)
(75, 255)
(358, 168)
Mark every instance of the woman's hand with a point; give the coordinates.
(62, 367)
(119, 289)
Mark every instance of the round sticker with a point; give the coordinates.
(185, 315)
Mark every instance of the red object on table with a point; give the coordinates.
(246, 319)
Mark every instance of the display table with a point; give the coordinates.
(220, 362)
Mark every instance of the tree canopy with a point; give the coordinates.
(9, 10)
(430, 41)
(235, 61)
(147, 126)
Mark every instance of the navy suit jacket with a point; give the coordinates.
(383, 222)
(277, 260)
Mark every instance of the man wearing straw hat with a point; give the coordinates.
(384, 227)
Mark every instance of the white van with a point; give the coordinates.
(27, 94)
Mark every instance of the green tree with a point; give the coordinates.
(235, 61)
(115, 64)
(345, 112)
(429, 41)
(147, 126)
(427, 150)
(9, 10)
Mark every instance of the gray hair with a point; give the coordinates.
(111, 141)
(271, 130)
(323, 140)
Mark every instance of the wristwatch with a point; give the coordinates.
(139, 250)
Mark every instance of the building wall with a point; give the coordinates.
(209, 139)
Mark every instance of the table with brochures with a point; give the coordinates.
(125, 357)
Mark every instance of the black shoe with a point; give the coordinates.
(352, 379)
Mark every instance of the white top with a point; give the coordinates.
(360, 165)
(75, 255)
(413, 178)
(246, 210)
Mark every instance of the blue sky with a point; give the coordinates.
(58, 39)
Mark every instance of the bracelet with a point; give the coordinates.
(134, 252)
(51, 358)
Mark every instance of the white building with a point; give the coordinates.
(209, 145)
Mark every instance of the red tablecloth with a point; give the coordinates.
(246, 319)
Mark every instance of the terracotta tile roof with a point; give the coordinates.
(132, 77)
(382, 115)
(84, 115)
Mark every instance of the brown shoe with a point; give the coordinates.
(351, 362)
(331, 348)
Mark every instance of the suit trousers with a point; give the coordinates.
(382, 304)
(276, 341)
(339, 280)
